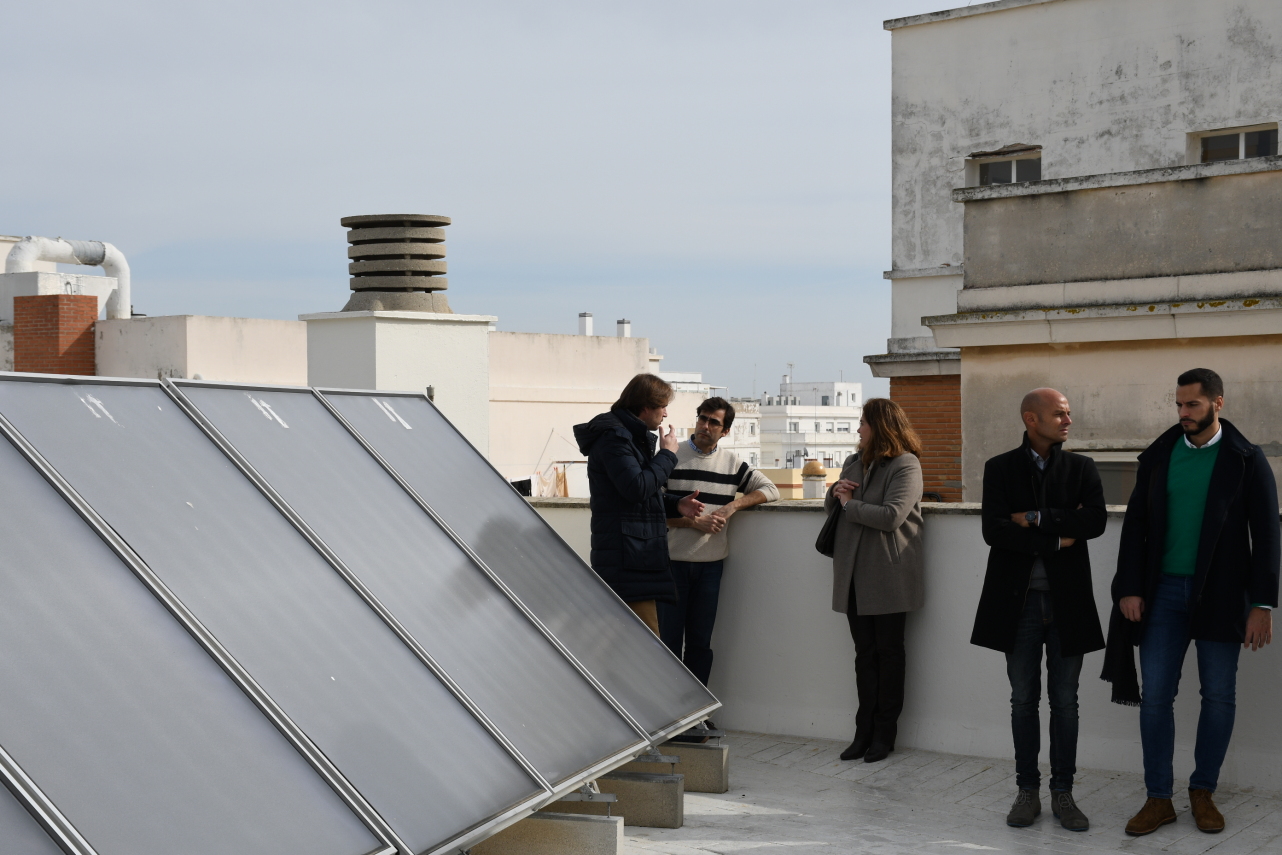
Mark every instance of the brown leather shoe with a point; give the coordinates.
(1207, 815)
(1155, 814)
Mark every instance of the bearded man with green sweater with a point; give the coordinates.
(698, 546)
(1198, 562)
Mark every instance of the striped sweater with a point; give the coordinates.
(717, 477)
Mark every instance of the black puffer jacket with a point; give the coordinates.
(629, 507)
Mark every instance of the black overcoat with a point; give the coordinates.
(1071, 500)
(1238, 551)
(629, 506)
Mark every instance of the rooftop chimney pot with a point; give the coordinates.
(397, 263)
(585, 323)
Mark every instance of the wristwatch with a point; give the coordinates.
(1031, 517)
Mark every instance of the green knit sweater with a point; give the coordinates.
(1188, 480)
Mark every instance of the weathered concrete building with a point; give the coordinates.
(1087, 196)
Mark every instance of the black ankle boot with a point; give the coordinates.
(877, 752)
(858, 748)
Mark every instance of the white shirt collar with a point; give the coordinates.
(1213, 440)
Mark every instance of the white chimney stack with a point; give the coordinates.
(585, 323)
(623, 328)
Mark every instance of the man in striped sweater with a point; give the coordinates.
(698, 546)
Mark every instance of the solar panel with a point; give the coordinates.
(425, 764)
(523, 551)
(118, 715)
(21, 834)
(518, 679)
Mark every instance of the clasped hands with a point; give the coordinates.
(713, 522)
(1020, 518)
(844, 489)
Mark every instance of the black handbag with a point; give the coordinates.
(826, 543)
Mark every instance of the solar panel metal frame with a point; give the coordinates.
(656, 738)
(553, 792)
(42, 808)
(316, 758)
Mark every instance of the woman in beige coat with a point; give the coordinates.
(877, 566)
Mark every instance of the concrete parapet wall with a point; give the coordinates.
(785, 661)
(1171, 228)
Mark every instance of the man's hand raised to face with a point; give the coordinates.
(668, 441)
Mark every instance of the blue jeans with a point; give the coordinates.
(1037, 629)
(1162, 649)
(686, 626)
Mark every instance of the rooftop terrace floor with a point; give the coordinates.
(794, 795)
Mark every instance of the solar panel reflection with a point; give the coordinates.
(517, 678)
(120, 717)
(424, 763)
(514, 542)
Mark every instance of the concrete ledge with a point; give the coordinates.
(1185, 172)
(1201, 287)
(556, 834)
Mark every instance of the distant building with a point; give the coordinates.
(1088, 202)
(810, 421)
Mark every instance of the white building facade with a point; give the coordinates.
(810, 421)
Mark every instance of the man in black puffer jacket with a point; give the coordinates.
(629, 507)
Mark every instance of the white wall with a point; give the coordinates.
(785, 661)
(244, 350)
(407, 352)
(542, 384)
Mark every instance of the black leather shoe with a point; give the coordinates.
(877, 752)
(858, 748)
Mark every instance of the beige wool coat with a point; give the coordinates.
(879, 538)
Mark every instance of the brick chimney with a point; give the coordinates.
(53, 334)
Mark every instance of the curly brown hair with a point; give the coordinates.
(892, 433)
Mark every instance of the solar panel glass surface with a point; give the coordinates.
(511, 538)
(423, 762)
(553, 716)
(122, 719)
(21, 834)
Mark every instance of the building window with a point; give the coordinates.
(828, 428)
(794, 427)
(752, 429)
(843, 427)
(752, 458)
(1010, 171)
(816, 427)
(1240, 145)
(824, 401)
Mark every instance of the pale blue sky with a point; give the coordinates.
(717, 172)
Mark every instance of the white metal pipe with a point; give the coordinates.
(26, 252)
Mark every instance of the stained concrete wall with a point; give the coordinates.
(1122, 393)
(784, 659)
(541, 385)
(245, 350)
(1103, 86)
(1219, 224)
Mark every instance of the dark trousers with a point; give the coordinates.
(1037, 630)
(686, 625)
(879, 671)
(1162, 650)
